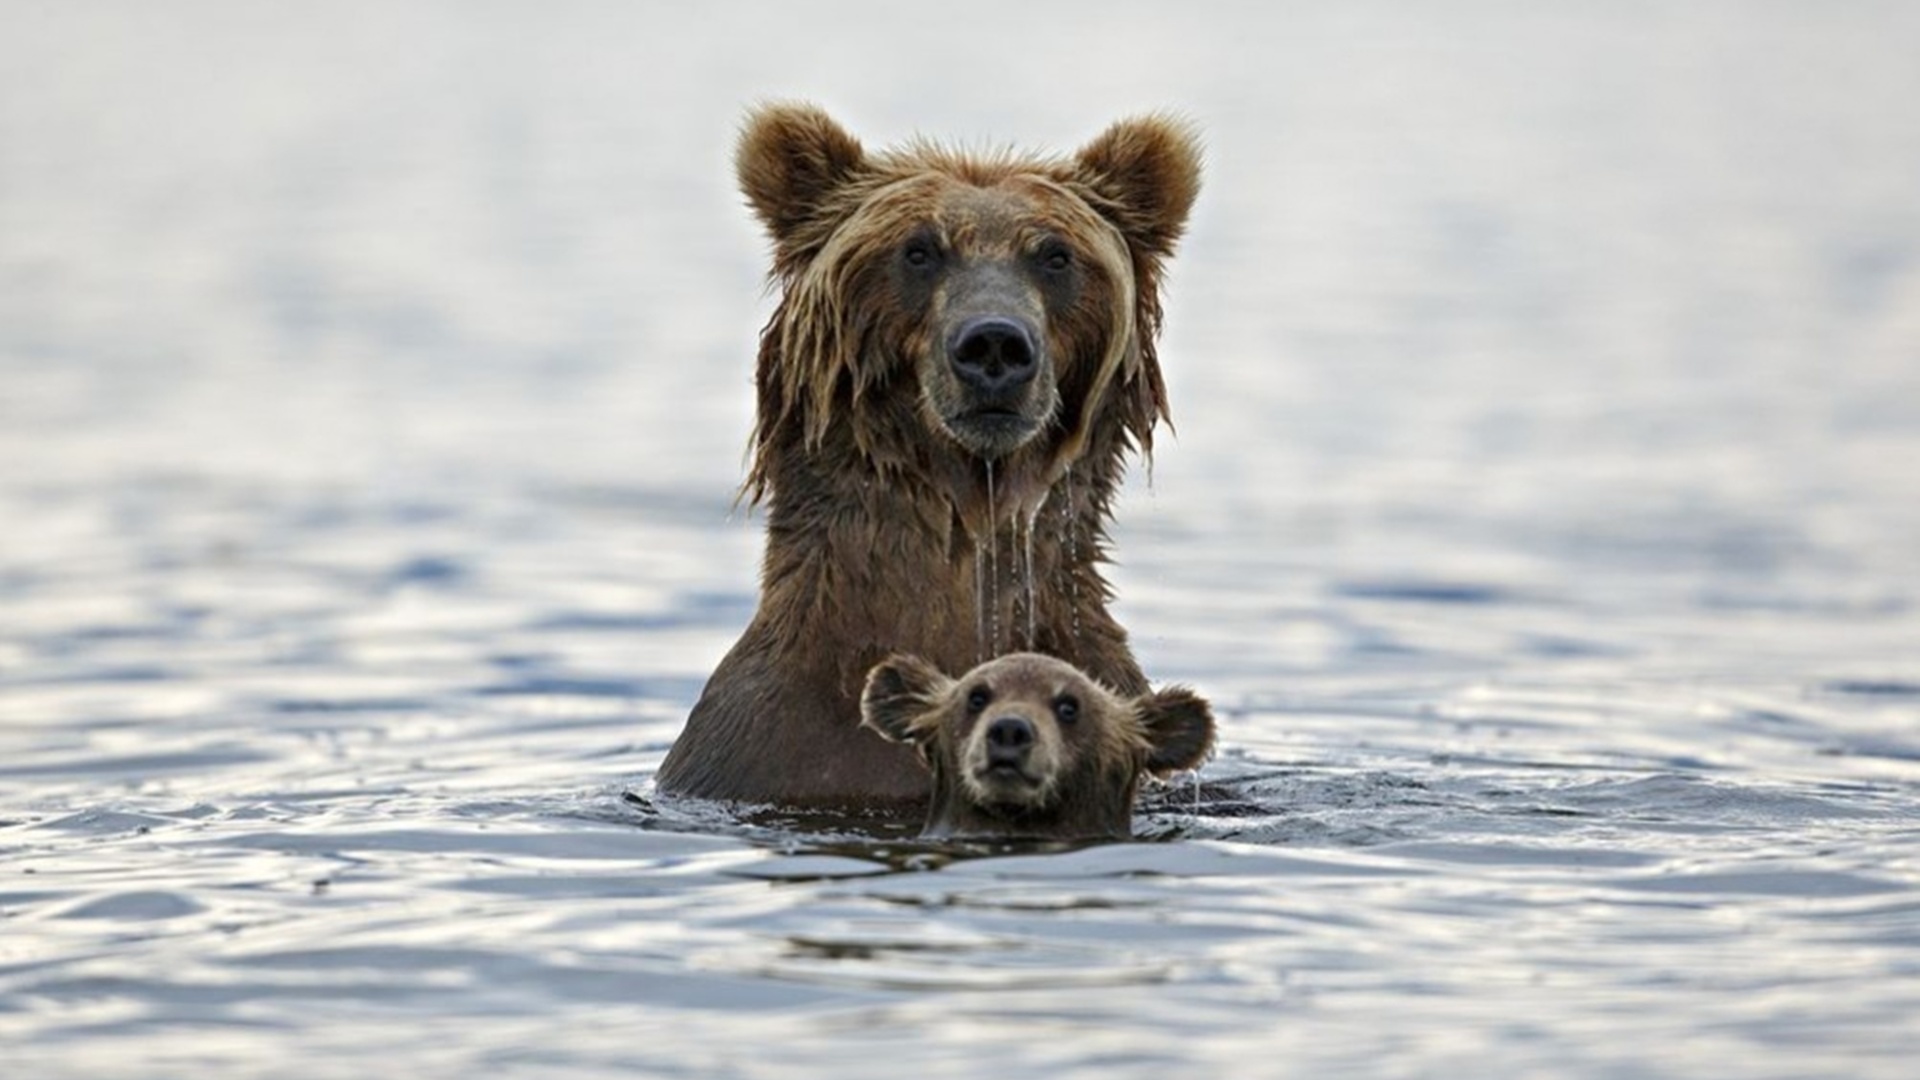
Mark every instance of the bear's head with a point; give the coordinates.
(985, 306)
(1027, 745)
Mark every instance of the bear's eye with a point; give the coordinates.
(1056, 258)
(1066, 708)
(920, 253)
(979, 699)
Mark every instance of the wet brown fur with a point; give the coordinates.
(1083, 770)
(884, 529)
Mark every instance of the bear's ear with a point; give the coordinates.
(902, 691)
(791, 159)
(1146, 170)
(1179, 727)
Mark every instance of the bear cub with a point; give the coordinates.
(1029, 746)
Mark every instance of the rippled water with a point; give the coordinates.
(1544, 522)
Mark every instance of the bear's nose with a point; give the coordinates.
(993, 354)
(1008, 740)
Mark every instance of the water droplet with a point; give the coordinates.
(979, 603)
(1072, 562)
(993, 567)
(1026, 577)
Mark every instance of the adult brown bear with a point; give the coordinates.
(961, 359)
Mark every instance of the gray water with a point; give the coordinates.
(1543, 520)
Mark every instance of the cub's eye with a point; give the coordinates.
(1066, 708)
(979, 699)
(1056, 258)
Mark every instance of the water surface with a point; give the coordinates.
(373, 388)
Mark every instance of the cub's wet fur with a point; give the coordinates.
(1029, 746)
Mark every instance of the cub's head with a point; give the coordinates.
(1027, 745)
(992, 305)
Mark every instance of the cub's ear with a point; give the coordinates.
(792, 157)
(1145, 172)
(1179, 727)
(901, 692)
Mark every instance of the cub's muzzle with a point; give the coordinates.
(1009, 740)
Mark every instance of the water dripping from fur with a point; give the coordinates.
(993, 567)
(1026, 577)
(980, 604)
(1073, 552)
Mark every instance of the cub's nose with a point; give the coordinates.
(1008, 740)
(993, 354)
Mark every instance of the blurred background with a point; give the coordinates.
(1641, 277)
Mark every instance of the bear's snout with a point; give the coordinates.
(993, 356)
(989, 371)
(995, 392)
(1013, 758)
(1009, 740)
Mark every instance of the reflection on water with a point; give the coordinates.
(373, 385)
